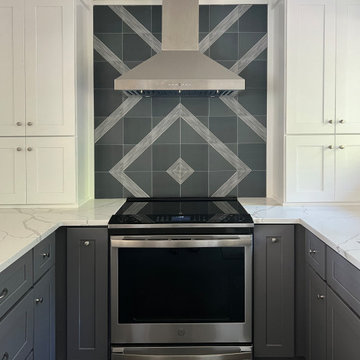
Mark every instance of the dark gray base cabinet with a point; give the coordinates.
(44, 317)
(274, 294)
(87, 294)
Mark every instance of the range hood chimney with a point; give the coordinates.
(180, 68)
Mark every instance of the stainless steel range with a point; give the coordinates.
(181, 275)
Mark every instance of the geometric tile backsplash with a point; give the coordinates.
(180, 146)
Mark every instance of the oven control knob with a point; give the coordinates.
(181, 331)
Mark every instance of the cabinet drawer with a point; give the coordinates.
(16, 330)
(15, 281)
(315, 253)
(344, 279)
(44, 256)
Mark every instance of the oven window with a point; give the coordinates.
(181, 285)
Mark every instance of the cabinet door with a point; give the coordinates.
(12, 170)
(50, 170)
(87, 293)
(44, 317)
(310, 66)
(316, 316)
(12, 74)
(310, 166)
(347, 174)
(343, 330)
(347, 67)
(274, 301)
(50, 84)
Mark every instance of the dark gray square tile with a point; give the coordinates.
(254, 20)
(219, 13)
(114, 42)
(227, 63)
(142, 14)
(114, 136)
(224, 128)
(219, 109)
(254, 185)
(156, 19)
(107, 187)
(226, 47)
(106, 21)
(135, 129)
(198, 106)
(253, 155)
(165, 185)
(204, 18)
(246, 135)
(254, 101)
(141, 109)
(143, 162)
(189, 135)
(196, 156)
(217, 162)
(195, 185)
(247, 41)
(106, 101)
(107, 156)
(104, 75)
(132, 64)
(171, 135)
(161, 106)
(255, 75)
(164, 156)
(135, 48)
(141, 178)
(219, 178)
(98, 57)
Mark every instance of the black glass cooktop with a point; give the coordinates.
(181, 210)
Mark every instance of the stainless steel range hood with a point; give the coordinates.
(180, 67)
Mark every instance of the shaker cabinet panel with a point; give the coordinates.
(12, 75)
(12, 170)
(347, 175)
(274, 300)
(44, 317)
(310, 163)
(87, 293)
(49, 44)
(310, 66)
(50, 170)
(347, 67)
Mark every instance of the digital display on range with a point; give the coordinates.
(180, 218)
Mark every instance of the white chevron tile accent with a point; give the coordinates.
(231, 183)
(135, 25)
(251, 55)
(223, 26)
(109, 56)
(115, 116)
(130, 185)
(245, 116)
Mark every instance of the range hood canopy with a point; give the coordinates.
(180, 67)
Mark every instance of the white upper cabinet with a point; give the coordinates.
(310, 66)
(12, 73)
(347, 177)
(348, 67)
(50, 79)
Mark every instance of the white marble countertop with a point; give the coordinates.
(21, 229)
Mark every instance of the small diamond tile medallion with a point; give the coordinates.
(180, 171)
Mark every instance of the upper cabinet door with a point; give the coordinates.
(50, 170)
(310, 67)
(347, 168)
(310, 163)
(347, 67)
(50, 82)
(12, 75)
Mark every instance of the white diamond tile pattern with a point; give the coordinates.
(180, 171)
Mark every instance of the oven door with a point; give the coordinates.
(181, 289)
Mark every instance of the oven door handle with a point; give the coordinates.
(180, 242)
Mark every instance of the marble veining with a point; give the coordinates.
(23, 228)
